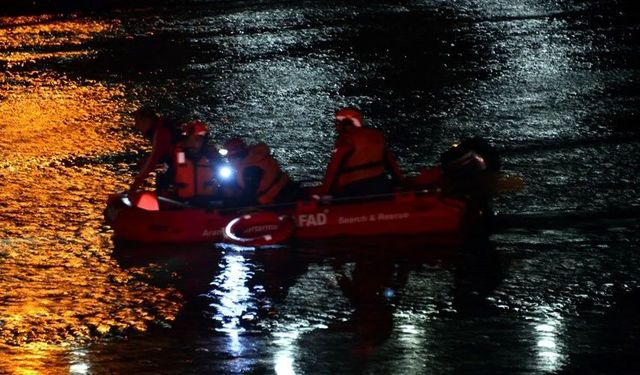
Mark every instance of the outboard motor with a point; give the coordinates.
(470, 170)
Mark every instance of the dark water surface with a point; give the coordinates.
(556, 84)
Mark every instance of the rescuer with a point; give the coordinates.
(470, 170)
(258, 176)
(195, 164)
(163, 138)
(360, 160)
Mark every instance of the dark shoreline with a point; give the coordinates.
(38, 7)
(24, 7)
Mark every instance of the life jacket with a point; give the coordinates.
(194, 178)
(273, 178)
(365, 159)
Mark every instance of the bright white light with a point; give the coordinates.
(79, 368)
(225, 172)
(233, 300)
(79, 365)
(545, 328)
(284, 364)
(548, 344)
(223, 151)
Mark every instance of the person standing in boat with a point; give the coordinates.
(258, 176)
(163, 137)
(195, 164)
(360, 161)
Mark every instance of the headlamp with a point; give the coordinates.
(225, 172)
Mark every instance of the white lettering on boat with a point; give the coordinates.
(352, 220)
(372, 218)
(261, 228)
(312, 220)
(212, 233)
(397, 216)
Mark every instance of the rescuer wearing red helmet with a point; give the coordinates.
(258, 176)
(195, 164)
(161, 134)
(360, 159)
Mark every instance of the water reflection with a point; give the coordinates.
(426, 74)
(24, 40)
(549, 347)
(30, 359)
(358, 298)
(284, 363)
(276, 301)
(79, 364)
(325, 309)
(60, 286)
(232, 298)
(51, 227)
(370, 286)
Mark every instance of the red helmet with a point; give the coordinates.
(234, 146)
(196, 127)
(350, 114)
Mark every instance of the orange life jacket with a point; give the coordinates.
(273, 178)
(193, 178)
(365, 159)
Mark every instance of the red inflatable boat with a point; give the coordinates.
(424, 213)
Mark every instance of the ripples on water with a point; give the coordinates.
(556, 80)
(59, 284)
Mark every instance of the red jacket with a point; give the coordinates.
(360, 154)
(272, 178)
(163, 149)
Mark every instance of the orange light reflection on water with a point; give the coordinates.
(60, 285)
(48, 31)
(28, 39)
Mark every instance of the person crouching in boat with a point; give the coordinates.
(163, 138)
(467, 170)
(258, 176)
(195, 164)
(360, 160)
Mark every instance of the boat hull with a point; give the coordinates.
(438, 219)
